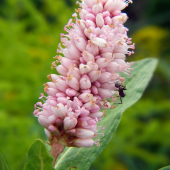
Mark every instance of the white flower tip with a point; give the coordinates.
(100, 42)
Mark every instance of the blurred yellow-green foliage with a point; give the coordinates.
(29, 36)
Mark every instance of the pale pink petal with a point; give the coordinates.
(83, 142)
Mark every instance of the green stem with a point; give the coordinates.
(57, 147)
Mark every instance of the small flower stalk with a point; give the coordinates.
(89, 59)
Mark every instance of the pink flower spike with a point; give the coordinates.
(90, 58)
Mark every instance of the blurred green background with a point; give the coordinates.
(29, 36)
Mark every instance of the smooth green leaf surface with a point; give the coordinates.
(38, 157)
(165, 168)
(3, 164)
(81, 158)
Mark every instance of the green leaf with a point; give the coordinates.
(38, 157)
(81, 158)
(3, 164)
(165, 168)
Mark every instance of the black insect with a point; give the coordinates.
(121, 89)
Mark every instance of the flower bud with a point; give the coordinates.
(85, 82)
(87, 56)
(69, 123)
(72, 82)
(94, 75)
(90, 3)
(96, 115)
(100, 42)
(83, 142)
(71, 92)
(97, 8)
(59, 110)
(99, 20)
(104, 93)
(61, 85)
(43, 121)
(84, 68)
(84, 133)
(62, 70)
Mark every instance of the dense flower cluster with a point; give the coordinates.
(92, 54)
